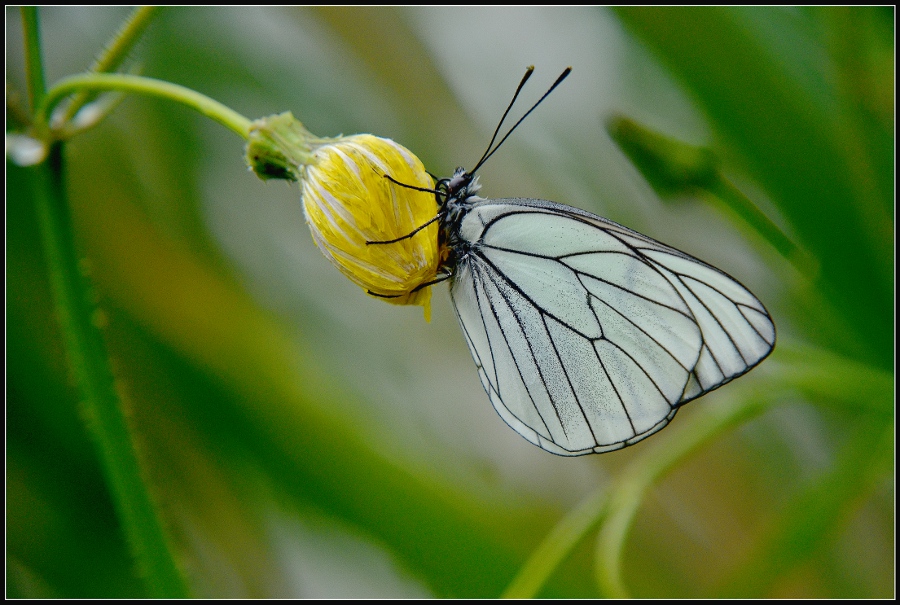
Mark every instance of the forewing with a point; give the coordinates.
(587, 335)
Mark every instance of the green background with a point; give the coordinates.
(302, 439)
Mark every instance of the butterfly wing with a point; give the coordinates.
(587, 335)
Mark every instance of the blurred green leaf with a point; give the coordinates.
(772, 95)
(814, 517)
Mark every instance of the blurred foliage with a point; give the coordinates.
(302, 439)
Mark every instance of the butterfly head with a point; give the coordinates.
(457, 189)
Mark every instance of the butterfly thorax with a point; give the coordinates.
(455, 196)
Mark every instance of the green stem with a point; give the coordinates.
(89, 360)
(631, 487)
(148, 86)
(115, 52)
(557, 545)
(34, 65)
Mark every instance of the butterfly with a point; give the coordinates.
(587, 335)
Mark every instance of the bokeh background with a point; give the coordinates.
(303, 439)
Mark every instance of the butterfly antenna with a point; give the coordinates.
(528, 71)
(490, 152)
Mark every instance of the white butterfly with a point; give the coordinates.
(587, 336)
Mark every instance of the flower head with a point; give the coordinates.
(349, 204)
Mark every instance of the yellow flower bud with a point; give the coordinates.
(349, 202)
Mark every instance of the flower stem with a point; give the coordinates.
(141, 85)
(87, 355)
(115, 52)
(89, 361)
(34, 65)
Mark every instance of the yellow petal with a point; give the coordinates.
(349, 202)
